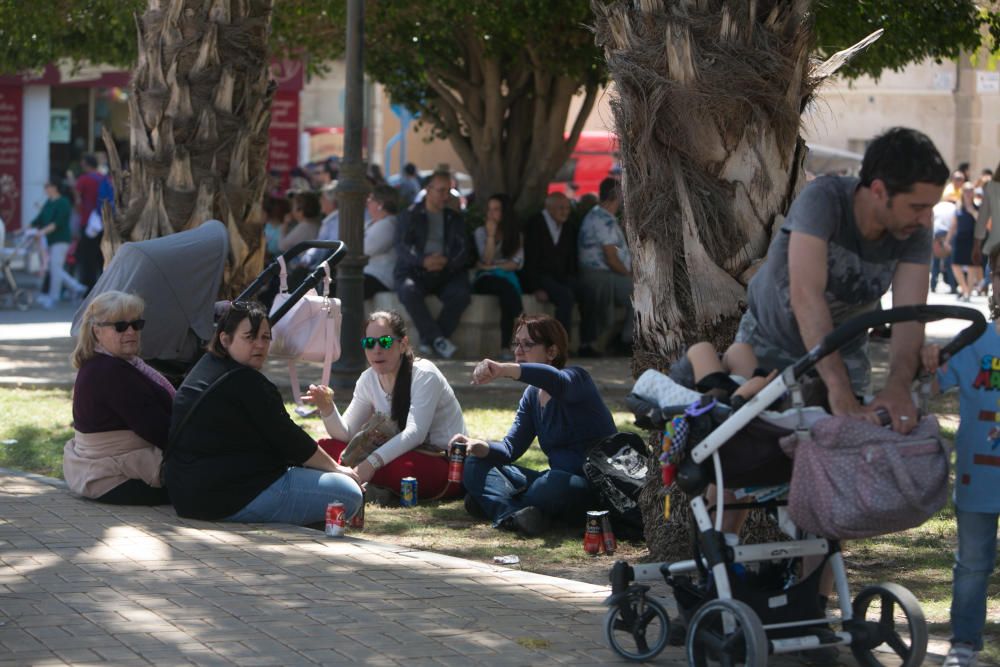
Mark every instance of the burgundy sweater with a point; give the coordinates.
(110, 394)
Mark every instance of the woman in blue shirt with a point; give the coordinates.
(562, 407)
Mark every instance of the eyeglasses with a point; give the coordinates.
(523, 344)
(368, 342)
(121, 326)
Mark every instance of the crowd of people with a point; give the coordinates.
(223, 447)
(963, 233)
(418, 241)
(70, 220)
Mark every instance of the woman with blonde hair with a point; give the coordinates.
(121, 408)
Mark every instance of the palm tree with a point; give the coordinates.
(199, 112)
(708, 113)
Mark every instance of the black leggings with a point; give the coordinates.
(135, 492)
(510, 303)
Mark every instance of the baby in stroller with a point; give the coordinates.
(741, 603)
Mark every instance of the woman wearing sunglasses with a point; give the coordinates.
(121, 408)
(562, 407)
(416, 396)
(235, 454)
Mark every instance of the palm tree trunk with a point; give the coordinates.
(199, 112)
(708, 106)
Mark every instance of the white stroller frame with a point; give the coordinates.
(632, 611)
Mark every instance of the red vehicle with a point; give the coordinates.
(594, 158)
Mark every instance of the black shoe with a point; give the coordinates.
(528, 521)
(473, 508)
(588, 352)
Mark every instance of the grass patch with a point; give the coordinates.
(39, 420)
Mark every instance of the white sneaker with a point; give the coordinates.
(960, 655)
(44, 301)
(444, 347)
(424, 350)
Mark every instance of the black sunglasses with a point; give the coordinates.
(368, 342)
(121, 326)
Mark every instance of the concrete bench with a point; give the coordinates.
(478, 333)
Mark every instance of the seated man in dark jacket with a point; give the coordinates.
(432, 257)
(550, 268)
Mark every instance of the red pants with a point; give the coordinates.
(431, 472)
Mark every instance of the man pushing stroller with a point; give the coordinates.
(871, 232)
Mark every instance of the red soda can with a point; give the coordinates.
(335, 519)
(592, 536)
(358, 520)
(607, 535)
(456, 462)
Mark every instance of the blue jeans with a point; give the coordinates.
(300, 497)
(974, 562)
(502, 490)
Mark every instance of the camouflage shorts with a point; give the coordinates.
(854, 354)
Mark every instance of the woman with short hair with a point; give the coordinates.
(121, 408)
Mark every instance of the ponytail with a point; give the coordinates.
(401, 391)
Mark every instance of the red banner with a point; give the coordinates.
(11, 121)
(283, 147)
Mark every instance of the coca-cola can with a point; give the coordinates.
(358, 520)
(608, 540)
(335, 519)
(592, 537)
(456, 462)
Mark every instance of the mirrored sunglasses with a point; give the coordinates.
(368, 342)
(121, 326)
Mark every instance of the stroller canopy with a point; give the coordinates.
(178, 276)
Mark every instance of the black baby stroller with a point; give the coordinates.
(741, 603)
(179, 277)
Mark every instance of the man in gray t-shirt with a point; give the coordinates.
(844, 243)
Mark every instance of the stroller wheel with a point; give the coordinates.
(888, 620)
(637, 628)
(22, 299)
(709, 642)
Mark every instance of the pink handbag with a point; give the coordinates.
(852, 479)
(310, 331)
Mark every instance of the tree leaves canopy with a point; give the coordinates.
(34, 33)
(406, 37)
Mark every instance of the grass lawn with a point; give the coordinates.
(34, 425)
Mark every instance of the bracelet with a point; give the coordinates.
(375, 461)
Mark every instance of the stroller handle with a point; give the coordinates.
(339, 249)
(859, 325)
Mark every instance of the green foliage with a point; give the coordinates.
(939, 29)
(407, 41)
(38, 32)
(35, 33)
(407, 38)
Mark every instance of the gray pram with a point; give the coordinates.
(741, 603)
(179, 277)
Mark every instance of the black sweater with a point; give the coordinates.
(237, 442)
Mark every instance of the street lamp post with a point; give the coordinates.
(352, 188)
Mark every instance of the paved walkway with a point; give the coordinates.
(83, 583)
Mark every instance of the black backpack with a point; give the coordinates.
(616, 468)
